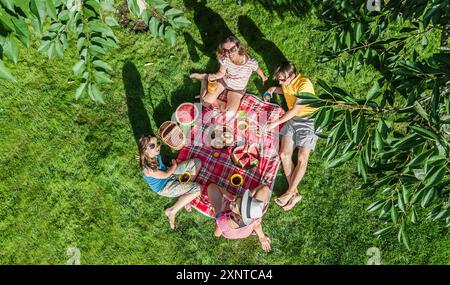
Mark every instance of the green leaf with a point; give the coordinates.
(428, 197)
(78, 68)
(102, 64)
(170, 36)
(401, 204)
(5, 73)
(306, 95)
(420, 158)
(346, 157)
(421, 111)
(172, 12)
(379, 145)
(363, 167)
(435, 174)
(111, 21)
(358, 32)
(51, 9)
(360, 129)
(80, 91)
(96, 50)
(154, 24)
(8, 4)
(373, 92)
(425, 133)
(11, 48)
(394, 215)
(375, 206)
(348, 124)
(181, 21)
(101, 77)
(382, 231)
(95, 94)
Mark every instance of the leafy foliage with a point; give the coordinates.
(91, 22)
(399, 130)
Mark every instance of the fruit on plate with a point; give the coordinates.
(186, 114)
(220, 137)
(245, 156)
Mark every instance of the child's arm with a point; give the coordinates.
(263, 239)
(261, 74)
(219, 74)
(159, 174)
(276, 90)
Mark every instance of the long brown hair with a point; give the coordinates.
(144, 160)
(231, 39)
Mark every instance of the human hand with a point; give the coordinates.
(265, 243)
(174, 164)
(264, 79)
(212, 77)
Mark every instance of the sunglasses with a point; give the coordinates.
(154, 145)
(230, 50)
(284, 79)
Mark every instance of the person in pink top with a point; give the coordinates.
(240, 217)
(236, 67)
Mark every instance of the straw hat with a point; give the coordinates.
(251, 208)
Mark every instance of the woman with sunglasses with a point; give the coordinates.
(166, 181)
(238, 217)
(236, 67)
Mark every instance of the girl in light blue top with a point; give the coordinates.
(168, 181)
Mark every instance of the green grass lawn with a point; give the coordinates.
(68, 176)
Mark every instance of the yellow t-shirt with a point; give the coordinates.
(299, 84)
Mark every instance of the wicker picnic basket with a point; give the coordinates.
(172, 135)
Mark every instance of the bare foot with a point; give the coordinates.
(171, 216)
(198, 76)
(188, 207)
(283, 199)
(292, 202)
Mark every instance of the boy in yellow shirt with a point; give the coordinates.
(298, 130)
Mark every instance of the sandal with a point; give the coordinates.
(278, 201)
(292, 202)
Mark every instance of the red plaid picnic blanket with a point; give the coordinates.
(219, 169)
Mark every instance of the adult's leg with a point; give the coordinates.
(215, 197)
(297, 176)
(262, 193)
(211, 98)
(233, 103)
(186, 192)
(286, 152)
(300, 169)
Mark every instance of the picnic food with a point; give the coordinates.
(245, 156)
(186, 114)
(185, 177)
(221, 136)
(236, 179)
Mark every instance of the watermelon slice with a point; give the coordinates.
(186, 114)
(245, 156)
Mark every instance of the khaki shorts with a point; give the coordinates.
(301, 131)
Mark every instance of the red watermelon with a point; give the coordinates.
(186, 114)
(245, 156)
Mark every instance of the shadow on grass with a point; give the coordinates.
(213, 30)
(134, 91)
(267, 50)
(296, 8)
